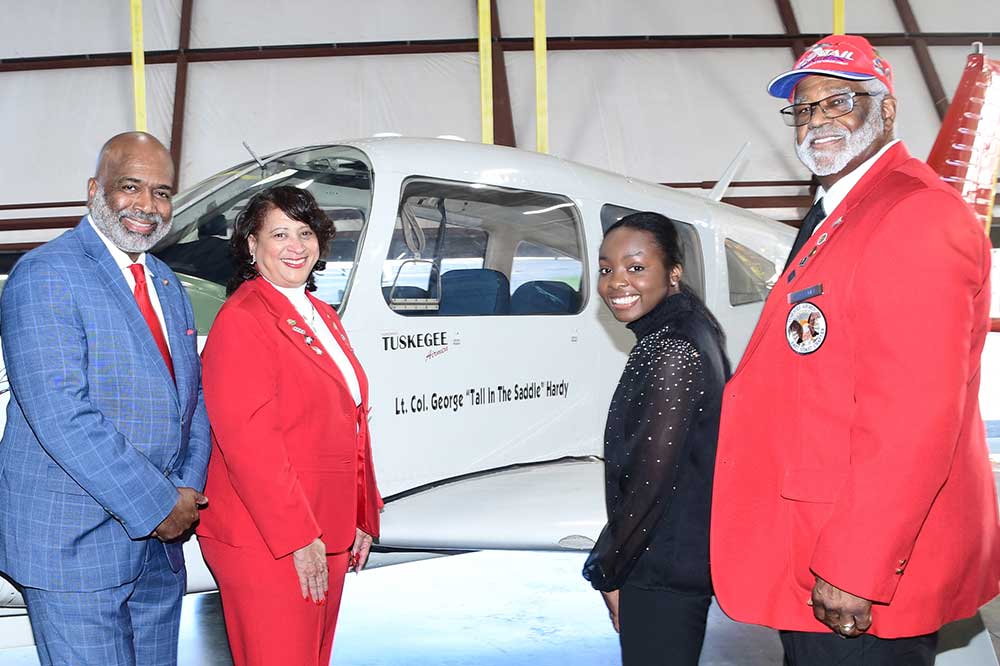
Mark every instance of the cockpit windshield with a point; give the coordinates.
(339, 177)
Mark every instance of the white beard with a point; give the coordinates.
(855, 143)
(111, 225)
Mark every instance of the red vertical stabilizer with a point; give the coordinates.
(967, 150)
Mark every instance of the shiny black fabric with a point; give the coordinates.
(659, 452)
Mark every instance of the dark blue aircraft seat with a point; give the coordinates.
(404, 291)
(474, 291)
(544, 297)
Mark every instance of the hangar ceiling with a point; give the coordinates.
(664, 91)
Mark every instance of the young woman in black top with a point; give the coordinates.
(651, 560)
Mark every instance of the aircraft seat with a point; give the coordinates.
(474, 291)
(544, 297)
(404, 291)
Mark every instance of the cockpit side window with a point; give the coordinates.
(468, 249)
(340, 178)
(751, 275)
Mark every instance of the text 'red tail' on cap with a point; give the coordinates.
(841, 56)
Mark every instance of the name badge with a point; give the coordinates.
(805, 294)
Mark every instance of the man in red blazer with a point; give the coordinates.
(853, 492)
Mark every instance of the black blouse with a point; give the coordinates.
(659, 453)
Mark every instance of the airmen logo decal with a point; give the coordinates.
(805, 328)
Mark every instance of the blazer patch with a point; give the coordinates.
(805, 328)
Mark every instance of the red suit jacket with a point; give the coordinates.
(291, 453)
(863, 459)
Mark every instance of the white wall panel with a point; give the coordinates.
(70, 27)
(261, 22)
(54, 123)
(918, 121)
(860, 16)
(964, 16)
(669, 115)
(278, 104)
(641, 17)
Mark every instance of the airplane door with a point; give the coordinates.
(478, 348)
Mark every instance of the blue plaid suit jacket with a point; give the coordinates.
(98, 435)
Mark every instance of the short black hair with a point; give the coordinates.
(663, 231)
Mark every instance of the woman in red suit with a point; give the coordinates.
(294, 500)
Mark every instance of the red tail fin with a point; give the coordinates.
(967, 150)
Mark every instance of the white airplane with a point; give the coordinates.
(465, 275)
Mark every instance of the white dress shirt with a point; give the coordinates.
(839, 190)
(297, 297)
(124, 261)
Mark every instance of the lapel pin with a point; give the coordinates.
(803, 262)
(838, 222)
(165, 282)
(822, 238)
(318, 351)
(291, 322)
(300, 331)
(309, 340)
(791, 276)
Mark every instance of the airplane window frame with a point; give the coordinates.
(217, 201)
(462, 201)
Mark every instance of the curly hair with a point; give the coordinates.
(296, 203)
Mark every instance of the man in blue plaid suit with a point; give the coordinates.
(105, 452)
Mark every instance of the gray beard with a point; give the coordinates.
(856, 143)
(111, 225)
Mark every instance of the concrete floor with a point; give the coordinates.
(510, 608)
(490, 609)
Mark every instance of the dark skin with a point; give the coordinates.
(633, 277)
(845, 613)
(136, 172)
(815, 88)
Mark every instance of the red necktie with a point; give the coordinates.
(149, 314)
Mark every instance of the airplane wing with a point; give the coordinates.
(537, 506)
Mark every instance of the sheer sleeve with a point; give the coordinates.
(657, 416)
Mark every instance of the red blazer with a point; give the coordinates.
(291, 453)
(864, 461)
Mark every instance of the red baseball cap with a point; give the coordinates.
(841, 56)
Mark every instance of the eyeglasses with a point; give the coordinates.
(833, 106)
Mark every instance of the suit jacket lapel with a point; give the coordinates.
(337, 329)
(840, 217)
(777, 300)
(288, 319)
(111, 275)
(173, 323)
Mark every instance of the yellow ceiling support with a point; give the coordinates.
(838, 17)
(138, 67)
(486, 70)
(541, 80)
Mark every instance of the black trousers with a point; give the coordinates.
(829, 649)
(661, 627)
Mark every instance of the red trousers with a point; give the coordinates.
(268, 621)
